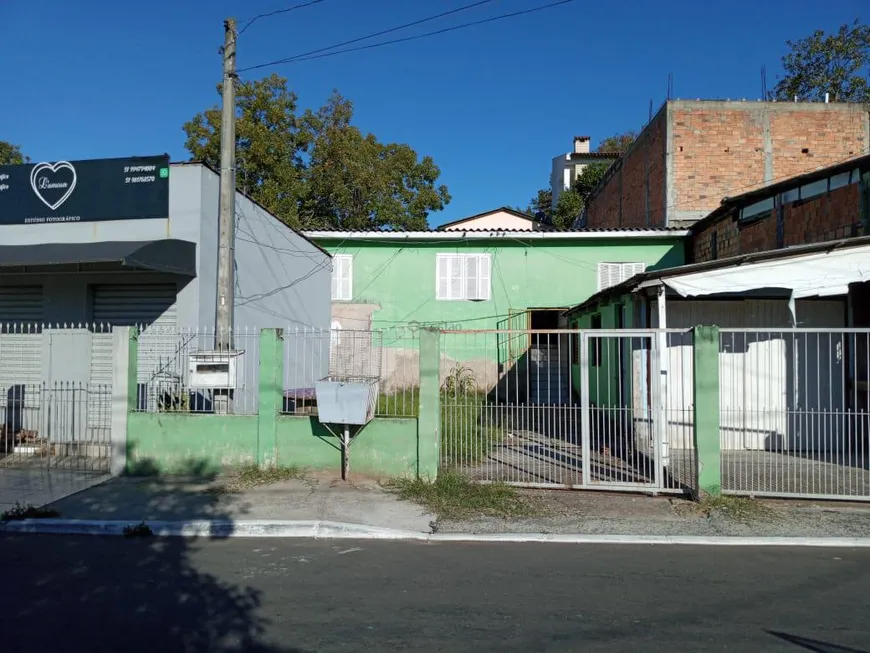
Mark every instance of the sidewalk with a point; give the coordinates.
(364, 503)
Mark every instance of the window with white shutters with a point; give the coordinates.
(342, 277)
(463, 277)
(611, 274)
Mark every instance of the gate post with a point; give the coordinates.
(429, 418)
(125, 392)
(270, 395)
(708, 468)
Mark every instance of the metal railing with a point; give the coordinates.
(55, 395)
(314, 354)
(795, 412)
(576, 409)
(164, 377)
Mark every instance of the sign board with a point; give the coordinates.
(85, 191)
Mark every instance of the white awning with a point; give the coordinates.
(810, 275)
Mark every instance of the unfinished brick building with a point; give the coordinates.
(694, 153)
(825, 205)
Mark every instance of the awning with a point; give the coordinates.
(811, 275)
(169, 255)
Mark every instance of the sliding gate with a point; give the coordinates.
(588, 409)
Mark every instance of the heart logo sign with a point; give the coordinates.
(53, 183)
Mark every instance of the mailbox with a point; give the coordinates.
(213, 370)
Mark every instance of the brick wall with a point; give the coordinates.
(721, 149)
(634, 194)
(830, 216)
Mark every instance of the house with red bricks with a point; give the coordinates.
(795, 253)
(693, 153)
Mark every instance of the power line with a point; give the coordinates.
(308, 56)
(276, 12)
(371, 36)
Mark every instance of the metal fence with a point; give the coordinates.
(314, 354)
(55, 397)
(795, 412)
(165, 384)
(567, 408)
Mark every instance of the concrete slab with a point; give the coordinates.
(39, 487)
(316, 497)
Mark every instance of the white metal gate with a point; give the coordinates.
(509, 419)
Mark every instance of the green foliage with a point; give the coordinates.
(317, 170)
(618, 143)
(11, 154)
(589, 180)
(838, 64)
(541, 206)
(454, 496)
(252, 475)
(568, 209)
(460, 380)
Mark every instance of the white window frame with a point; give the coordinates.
(611, 273)
(342, 292)
(452, 280)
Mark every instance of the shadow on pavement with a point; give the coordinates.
(812, 644)
(95, 593)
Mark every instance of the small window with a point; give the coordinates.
(342, 277)
(838, 181)
(612, 274)
(757, 210)
(792, 195)
(813, 189)
(461, 277)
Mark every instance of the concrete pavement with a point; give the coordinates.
(39, 487)
(271, 596)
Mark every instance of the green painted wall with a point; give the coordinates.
(196, 444)
(399, 276)
(202, 444)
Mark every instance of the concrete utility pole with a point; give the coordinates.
(226, 229)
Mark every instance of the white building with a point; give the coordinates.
(567, 167)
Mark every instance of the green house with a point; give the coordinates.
(490, 281)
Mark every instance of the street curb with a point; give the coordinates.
(326, 530)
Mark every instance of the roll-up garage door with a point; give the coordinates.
(20, 340)
(151, 307)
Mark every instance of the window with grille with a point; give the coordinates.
(342, 277)
(611, 274)
(463, 277)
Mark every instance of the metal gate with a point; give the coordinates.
(576, 409)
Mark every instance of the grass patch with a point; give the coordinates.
(736, 508)
(251, 476)
(454, 496)
(19, 512)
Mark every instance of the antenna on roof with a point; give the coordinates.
(764, 83)
(670, 85)
(650, 110)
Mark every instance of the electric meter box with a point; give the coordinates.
(210, 370)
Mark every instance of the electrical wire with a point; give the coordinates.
(314, 55)
(381, 33)
(269, 14)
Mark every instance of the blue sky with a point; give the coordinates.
(492, 104)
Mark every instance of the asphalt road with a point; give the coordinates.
(60, 593)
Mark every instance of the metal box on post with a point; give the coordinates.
(348, 396)
(213, 369)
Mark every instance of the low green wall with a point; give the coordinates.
(174, 443)
(384, 448)
(170, 443)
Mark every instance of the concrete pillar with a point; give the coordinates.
(271, 395)
(706, 410)
(429, 420)
(125, 391)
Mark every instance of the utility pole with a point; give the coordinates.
(226, 228)
(227, 221)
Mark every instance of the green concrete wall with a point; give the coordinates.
(195, 444)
